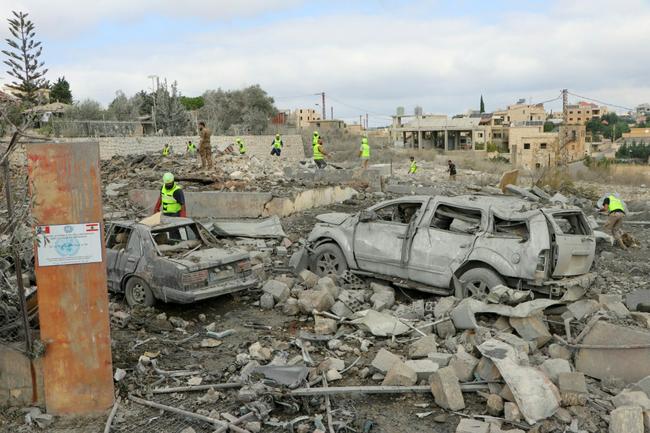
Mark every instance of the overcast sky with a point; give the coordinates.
(368, 56)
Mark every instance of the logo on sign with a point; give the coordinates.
(68, 229)
(67, 247)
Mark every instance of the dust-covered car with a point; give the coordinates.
(428, 243)
(175, 261)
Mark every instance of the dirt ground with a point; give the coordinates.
(172, 335)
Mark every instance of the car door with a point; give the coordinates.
(442, 241)
(125, 251)
(379, 243)
(574, 244)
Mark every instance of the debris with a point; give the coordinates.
(423, 347)
(494, 405)
(119, 374)
(557, 351)
(308, 278)
(463, 313)
(508, 178)
(263, 228)
(638, 300)
(120, 319)
(626, 419)
(446, 389)
(632, 398)
(472, 426)
(487, 371)
(259, 353)
(553, 368)
(279, 291)
(400, 374)
(291, 376)
(613, 303)
(383, 297)
(380, 324)
(222, 334)
(463, 364)
(310, 300)
(532, 329)
(384, 360)
(423, 368)
(442, 359)
(511, 412)
(111, 415)
(324, 326)
(267, 302)
(192, 381)
(536, 396)
(573, 388)
(210, 342)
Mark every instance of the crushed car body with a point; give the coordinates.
(433, 243)
(176, 260)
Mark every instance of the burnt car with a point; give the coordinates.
(177, 260)
(464, 245)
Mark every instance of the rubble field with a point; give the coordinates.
(304, 353)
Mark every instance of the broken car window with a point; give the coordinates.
(507, 228)
(176, 239)
(402, 213)
(571, 224)
(456, 219)
(118, 238)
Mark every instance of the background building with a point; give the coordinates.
(583, 112)
(303, 116)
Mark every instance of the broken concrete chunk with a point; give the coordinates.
(613, 303)
(266, 301)
(308, 278)
(400, 374)
(642, 385)
(487, 371)
(331, 364)
(382, 300)
(280, 291)
(210, 342)
(333, 375)
(423, 347)
(445, 329)
(626, 419)
(632, 398)
(256, 351)
(511, 412)
(557, 351)
(424, 368)
(341, 310)
(531, 329)
(494, 405)
(573, 388)
(324, 325)
(463, 364)
(519, 344)
(327, 283)
(291, 307)
(446, 389)
(310, 300)
(443, 307)
(553, 368)
(384, 360)
(642, 319)
(472, 426)
(442, 359)
(380, 324)
(639, 300)
(583, 308)
(120, 319)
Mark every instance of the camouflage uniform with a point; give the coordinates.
(205, 149)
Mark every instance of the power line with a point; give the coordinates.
(550, 100)
(359, 108)
(602, 102)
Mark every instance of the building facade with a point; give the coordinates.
(583, 112)
(532, 148)
(303, 116)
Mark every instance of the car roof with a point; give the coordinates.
(165, 223)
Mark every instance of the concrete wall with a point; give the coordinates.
(16, 379)
(258, 145)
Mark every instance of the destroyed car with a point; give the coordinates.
(463, 245)
(174, 261)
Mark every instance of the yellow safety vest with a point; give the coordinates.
(191, 147)
(317, 154)
(277, 143)
(169, 203)
(242, 148)
(365, 148)
(165, 151)
(414, 168)
(314, 140)
(615, 204)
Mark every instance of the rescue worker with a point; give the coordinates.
(242, 146)
(276, 145)
(413, 168)
(191, 148)
(314, 139)
(205, 149)
(166, 150)
(451, 169)
(171, 199)
(364, 152)
(319, 154)
(616, 212)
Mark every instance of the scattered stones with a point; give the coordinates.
(573, 388)
(511, 412)
(446, 389)
(267, 301)
(626, 419)
(553, 368)
(400, 374)
(257, 352)
(424, 368)
(310, 300)
(494, 405)
(463, 364)
(472, 426)
(632, 398)
(308, 278)
(532, 329)
(423, 347)
(557, 351)
(280, 291)
(324, 325)
(384, 360)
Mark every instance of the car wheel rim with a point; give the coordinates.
(139, 293)
(328, 264)
(477, 289)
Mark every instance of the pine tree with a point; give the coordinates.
(23, 58)
(482, 107)
(60, 91)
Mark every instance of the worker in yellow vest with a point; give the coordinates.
(364, 152)
(171, 200)
(616, 212)
(319, 154)
(242, 146)
(191, 148)
(166, 150)
(276, 145)
(413, 168)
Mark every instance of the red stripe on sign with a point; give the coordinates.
(46, 230)
(92, 227)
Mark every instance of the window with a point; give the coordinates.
(570, 112)
(571, 224)
(118, 238)
(511, 228)
(454, 219)
(570, 119)
(401, 213)
(542, 145)
(176, 239)
(526, 146)
(538, 165)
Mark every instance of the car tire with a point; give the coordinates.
(478, 282)
(137, 292)
(328, 259)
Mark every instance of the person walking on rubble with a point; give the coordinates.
(276, 145)
(171, 199)
(616, 212)
(166, 149)
(191, 148)
(364, 152)
(205, 149)
(242, 146)
(319, 154)
(451, 169)
(413, 168)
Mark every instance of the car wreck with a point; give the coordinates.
(464, 245)
(177, 260)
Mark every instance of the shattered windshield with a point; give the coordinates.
(179, 239)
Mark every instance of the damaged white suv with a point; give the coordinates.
(434, 243)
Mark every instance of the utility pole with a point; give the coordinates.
(154, 89)
(332, 113)
(564, 128)
(361, 121)
(323, 96)
(366, 121)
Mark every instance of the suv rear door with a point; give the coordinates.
(574, 243)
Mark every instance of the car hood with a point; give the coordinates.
(210, 257)
(334, 218)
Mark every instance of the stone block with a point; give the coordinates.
(486, 370)
(557, 351)
(291, 307)
(326, 283)
(642, 385)
(445, 329)
(518, 343)
(494, 405)
(423, 347)
(613, 303)
(324, 325)
(463, 364)
(467, 425)
(632, 398)
(442, 359)
(382, 300)
(443, 307)
(310, 300)
(446, 389)
(280, 291)
(642, 319)
(626, 419)
(553, 367)
(531, 329)
(583, 308)
(573, 389)
(308, 278)
(341, 310)
(384, 360)
(266, 301)
(400, 374)
(511, 412)
(424, 368)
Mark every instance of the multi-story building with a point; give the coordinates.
(522, 114)
(532, 148)
(303, 116)
(583, 112)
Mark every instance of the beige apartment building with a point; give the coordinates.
(583, 112)
(303, 116)
(532, 148)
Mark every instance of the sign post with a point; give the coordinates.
(71, 277)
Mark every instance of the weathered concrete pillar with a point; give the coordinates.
(71, 277)
(419, 139)
(446, 140)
